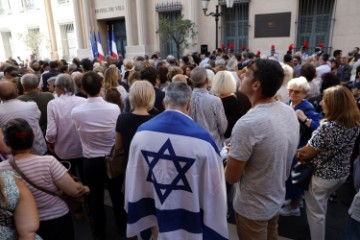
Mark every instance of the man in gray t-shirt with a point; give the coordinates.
(263, 143)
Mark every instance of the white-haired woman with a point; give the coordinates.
(309, 120)
(224, 86)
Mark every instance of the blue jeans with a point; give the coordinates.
(352, 229)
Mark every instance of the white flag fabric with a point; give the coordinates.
(175, 181)
(114, 52)
(101, 55)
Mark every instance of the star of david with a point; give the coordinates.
(182, 165)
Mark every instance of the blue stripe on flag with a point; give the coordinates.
(143, 208)
(171, 220)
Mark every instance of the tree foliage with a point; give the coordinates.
(178, 30)
(33, 40)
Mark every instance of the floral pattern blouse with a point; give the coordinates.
(12, 195)
(335, 143)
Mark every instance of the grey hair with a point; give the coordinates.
(179, 78)
(51, 80)
(198, 76)
(72, 67)
(139, 66)
(177, 94)
(220, 62)
(29, 81)
(65, 83)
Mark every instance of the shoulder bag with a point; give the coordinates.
(115, 163)
(73, 203)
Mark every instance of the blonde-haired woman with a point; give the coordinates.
(111, 80)
(329, 151)
(224, 86)
(142, 99)
(282, 94)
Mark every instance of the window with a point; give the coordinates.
(4, 7)
(120, 34)
(236, 25)
(29, 5)
(6, 40)
(68, 41)
(314, 22)
(168, 47)
(63, 2)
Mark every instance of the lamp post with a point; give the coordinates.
(216, 14)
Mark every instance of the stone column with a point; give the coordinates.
(51, 29)
(87, 22)
(80, 36)
(194, 17)
(140, 12)
(129, 24)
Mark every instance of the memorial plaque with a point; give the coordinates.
(272, 25)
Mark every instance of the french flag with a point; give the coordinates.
(101, 55)
(114, 52)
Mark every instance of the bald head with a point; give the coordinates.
(8, 90)
(179, 78)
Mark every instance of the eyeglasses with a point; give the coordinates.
(296, 92)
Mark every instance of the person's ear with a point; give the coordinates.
(256, 85)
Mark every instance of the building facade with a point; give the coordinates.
(63, 28)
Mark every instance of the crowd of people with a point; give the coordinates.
(191, 131)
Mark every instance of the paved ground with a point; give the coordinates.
(289, 227)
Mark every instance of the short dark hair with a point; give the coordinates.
(337, 52)
(329, 79)
(308, 71)
(357, 72)
(18, 134)
(9, 69)
(87, 64)
(325, 56)
(185, 59)
(250, 55)
(271, 76)
(150, 74)
(287, 58)
(54, 64)
(162, 73)
(91, 83)
(298, 58)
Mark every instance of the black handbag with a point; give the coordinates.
(301, 175)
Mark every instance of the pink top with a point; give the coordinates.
(43, 171)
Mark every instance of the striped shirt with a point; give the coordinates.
(43, 171)
(208, 111)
